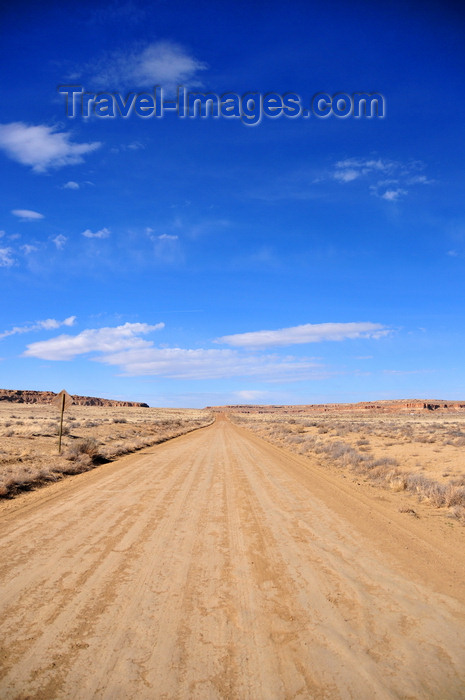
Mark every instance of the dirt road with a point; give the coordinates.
(218, 566)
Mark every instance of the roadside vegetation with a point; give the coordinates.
(91, 436)
(416, 454)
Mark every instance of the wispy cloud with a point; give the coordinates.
(42, 147)
(307, 333)
(387, 179)
(407, 371)
(67, 347)
(188, 228)
(46, 325)
(116, 11)
(354, 168)
(71, 185)
(102, 233)
(250, 394)
(6, 257)
(164, 63)
(28, 248)
(59, 241)
(27, 214)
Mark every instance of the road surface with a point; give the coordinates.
(219, 566)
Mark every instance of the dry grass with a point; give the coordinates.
(91, 436)
(416, 454)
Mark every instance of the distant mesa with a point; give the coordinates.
(46, 397)
(399, 406)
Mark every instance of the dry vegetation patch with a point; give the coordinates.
(418, 454)
(91, 436)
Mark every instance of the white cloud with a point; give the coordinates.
(67, 347)
(167, 237)
(60, 241)
(160, 63)
(71, 185)
(123, 347)
(42, 147)
(201, 363)
(48, 324)
(27, 214)
(6, 257)
(307, 333)
(347, 175)
(393, 195)
(103, 233)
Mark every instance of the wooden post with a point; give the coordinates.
(61, 422)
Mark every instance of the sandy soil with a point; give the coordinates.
(219, 566)
(29, 438)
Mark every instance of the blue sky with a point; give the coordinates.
(190, 262)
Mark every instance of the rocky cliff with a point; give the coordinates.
(46, 397)
(400, 406)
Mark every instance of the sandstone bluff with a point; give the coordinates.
(46, 397)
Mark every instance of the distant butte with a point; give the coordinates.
(46, 397)
(385, 406)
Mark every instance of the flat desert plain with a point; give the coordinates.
(220, 564)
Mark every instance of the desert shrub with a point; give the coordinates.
(119, 420)
(87, 446)
(454, 496)
(81, 463)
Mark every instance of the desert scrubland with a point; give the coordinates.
(420, 454)
(91, 436)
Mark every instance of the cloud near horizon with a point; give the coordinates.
(123, 347)
(42, 147)
(206, 363)
(307, 333)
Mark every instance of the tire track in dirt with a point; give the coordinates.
(206, 567)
